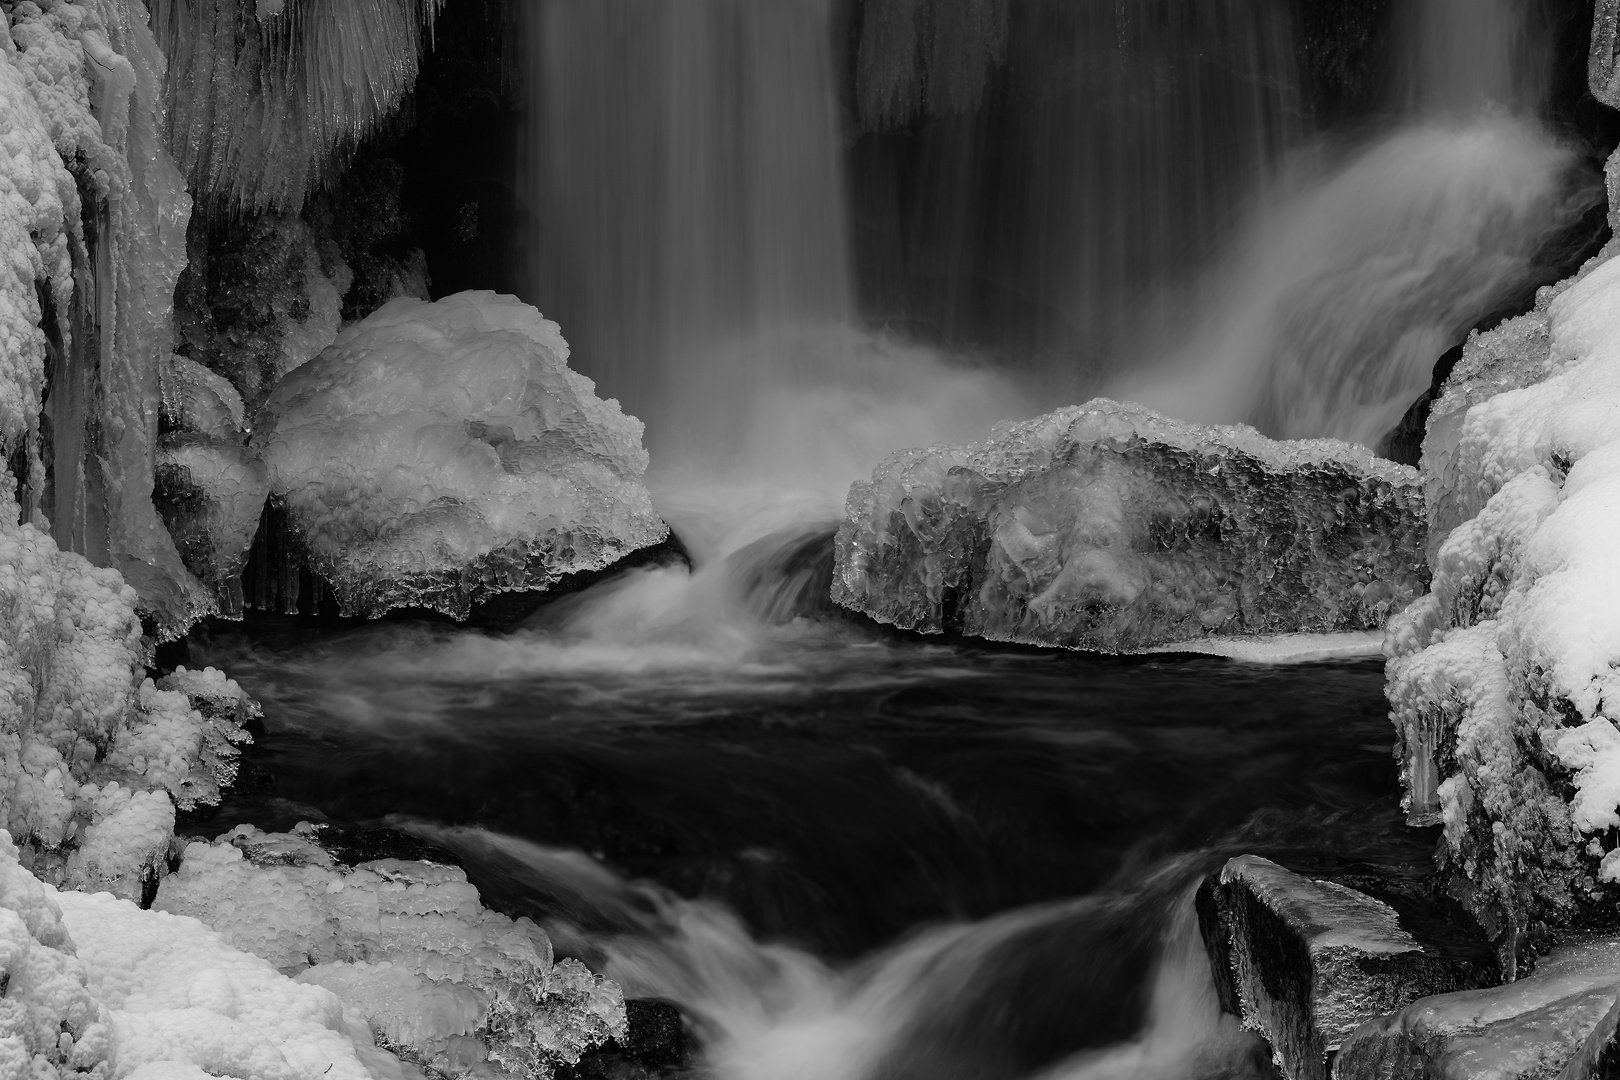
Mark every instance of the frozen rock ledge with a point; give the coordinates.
(1108, 526)
(437, 454)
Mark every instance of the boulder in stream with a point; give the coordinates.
(1306, 962)
(439, 454)
(1543, 1026)
(1109, 526)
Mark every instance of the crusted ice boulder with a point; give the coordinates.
(96, 987)
(1108, 526)
(210, 488)
(438, 454)
(1310, 961)
(94, 757)
(1503, 680)
(1526, 1030)
(405, 942)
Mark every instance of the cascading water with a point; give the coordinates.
(1365, 265)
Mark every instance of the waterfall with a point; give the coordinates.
(1367, 262)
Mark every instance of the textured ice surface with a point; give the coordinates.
(261, 95)
(407, 944)
(1311, 960)
(1503, 679)
(1108, 526)
(96, 987)
(1526, 1030)
(1283, 648)
(210, 488)
(93, 756)
(437, 454)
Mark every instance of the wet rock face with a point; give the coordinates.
(1558, 1022)
(1306, 962)
(1107, 526)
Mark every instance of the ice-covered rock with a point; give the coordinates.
(438, 454)
(1503, 679)
(96, 987)
(1310, 961)
(1526, 1030)
(404, 942)
(1109, 526)
(210, 488)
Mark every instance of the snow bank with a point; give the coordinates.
(1503, 679)
(1109, 526)
(406, 944)
(437, 454)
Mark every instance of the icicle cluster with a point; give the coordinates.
(927, 55)
(263, 95)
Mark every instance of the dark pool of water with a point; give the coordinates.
(834, 787)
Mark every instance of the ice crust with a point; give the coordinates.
(1503, 680)
(437, 454)
(1108, 526)
(405, 943)
(94, 757)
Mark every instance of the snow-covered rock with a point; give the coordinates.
(438, 454)
(1109, 526)
(407, 944)
(1503, 679)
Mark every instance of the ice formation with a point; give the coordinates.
(210, 489)
(1108, 526)
(437, 454)
(94, 757)
(407, 944)
(261, 96)
(80, 87)
(1503, 678)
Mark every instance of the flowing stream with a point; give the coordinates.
(847, 854)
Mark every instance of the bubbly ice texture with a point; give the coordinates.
(1503, 679)
(405, 943)
(94, 757)
(1108, 526)
(437, 454)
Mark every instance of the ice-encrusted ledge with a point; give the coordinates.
(437, 454)
(1109, 526)
(1505, 679)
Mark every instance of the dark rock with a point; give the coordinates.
(1527, 1030)
(656, 1046)
(1306, 962)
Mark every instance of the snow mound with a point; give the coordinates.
(1108, 526)
(94, 757)
(1503, 679)
(437, 454)
(407, 944)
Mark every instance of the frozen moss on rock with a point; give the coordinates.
(438, 454)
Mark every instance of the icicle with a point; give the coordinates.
(263, 96)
